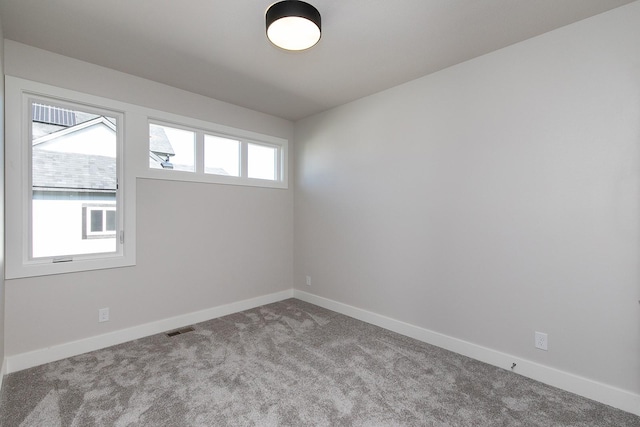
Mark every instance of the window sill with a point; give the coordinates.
(35, 269)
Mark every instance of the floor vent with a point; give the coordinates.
(180, 331)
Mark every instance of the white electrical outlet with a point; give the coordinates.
(308, 280)
(103, 314)
(542, 341)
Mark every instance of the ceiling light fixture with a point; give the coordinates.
(293, 25)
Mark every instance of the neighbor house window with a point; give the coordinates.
(222, 155)
(98, 221)
(66, 192)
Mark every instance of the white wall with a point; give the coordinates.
(490, 200)
(198, 245)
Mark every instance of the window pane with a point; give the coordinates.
(96, 221)
(171, 148)
(111, 220)
(262, 161)
(73, 162)
(221, 156)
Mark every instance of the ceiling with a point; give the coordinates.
(218, 48)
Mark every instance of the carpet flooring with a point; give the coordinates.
(287, 364)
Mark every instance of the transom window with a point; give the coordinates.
(171, 148)
(262, 161)
(221, 156)
(209, 156)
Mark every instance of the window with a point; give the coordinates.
(222, 155)
(263, 161)
(66, 193)
(72, 161)
(98, 221)
(70, 202)
(171, 148)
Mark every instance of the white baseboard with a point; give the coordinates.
(30, 359)
(597, 391)
(590, 389)
(3, 371)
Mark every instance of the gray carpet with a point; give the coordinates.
(287, 364)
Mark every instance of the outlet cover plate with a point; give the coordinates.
(541, 341)
(103, 314)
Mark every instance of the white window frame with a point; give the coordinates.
(18, 96)
(202, 128)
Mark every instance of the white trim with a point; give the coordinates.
(30, 359)
(609, 395)
(3, 371)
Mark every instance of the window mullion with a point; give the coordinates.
(244, 159)
(199, 152)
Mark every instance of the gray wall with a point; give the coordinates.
(198, 245)
(490, 200)
(2, 297)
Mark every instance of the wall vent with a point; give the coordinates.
(180, 331)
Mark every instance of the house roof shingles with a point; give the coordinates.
(57, 170)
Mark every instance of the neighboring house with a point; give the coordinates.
(74, 181)
(160, 149)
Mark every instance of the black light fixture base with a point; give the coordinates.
(292, 8)
(286, 8)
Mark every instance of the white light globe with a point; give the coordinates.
(293, 33)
